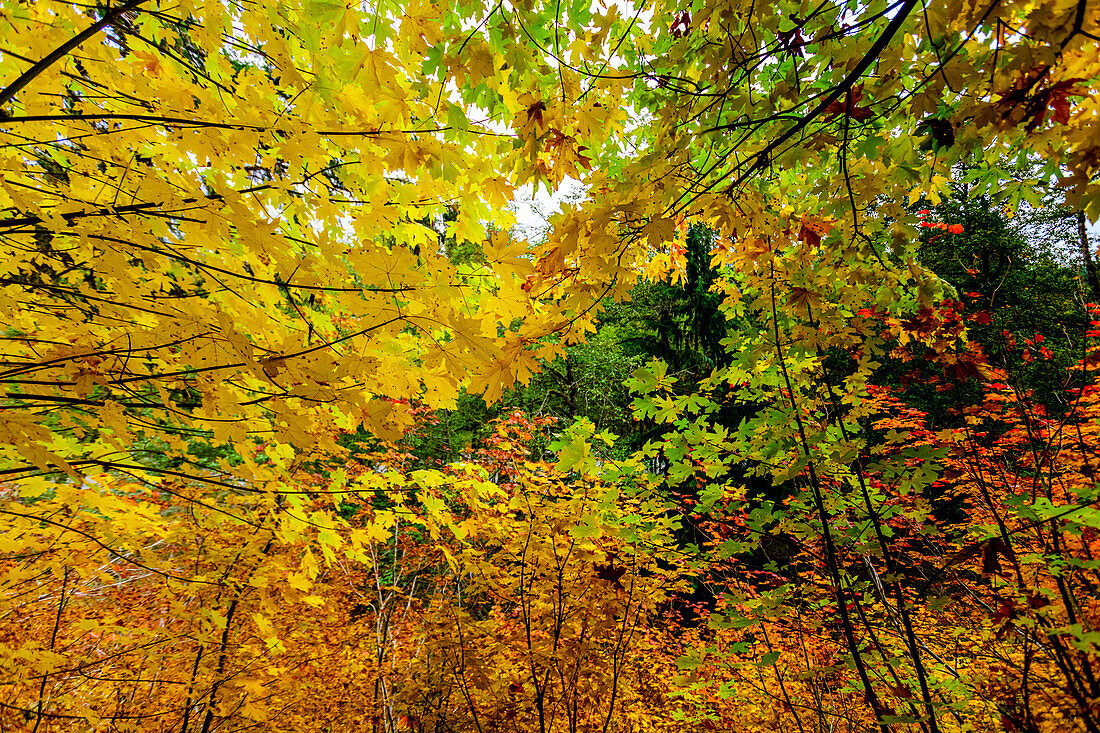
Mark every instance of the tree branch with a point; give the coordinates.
(63, 50)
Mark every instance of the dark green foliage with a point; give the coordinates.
(449, 435)
(1019, 290)
(681, 325)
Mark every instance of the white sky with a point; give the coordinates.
(534, 207)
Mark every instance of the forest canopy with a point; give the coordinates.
(789, 422)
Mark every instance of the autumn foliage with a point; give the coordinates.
(255, 255)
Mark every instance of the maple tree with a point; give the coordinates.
(238, 238)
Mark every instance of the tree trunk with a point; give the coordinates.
(1086, 254)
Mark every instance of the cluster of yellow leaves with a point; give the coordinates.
(532, 604)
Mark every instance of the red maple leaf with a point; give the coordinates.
(850, 107)
(534, 112)
(610, 572)
(792, 41)
(812, 230)
(1006, 611)
(982, 317)
(1032, 98)
(582, 158)
(922, 323)
(555, 139)
(681, 24)
(1058, 99)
